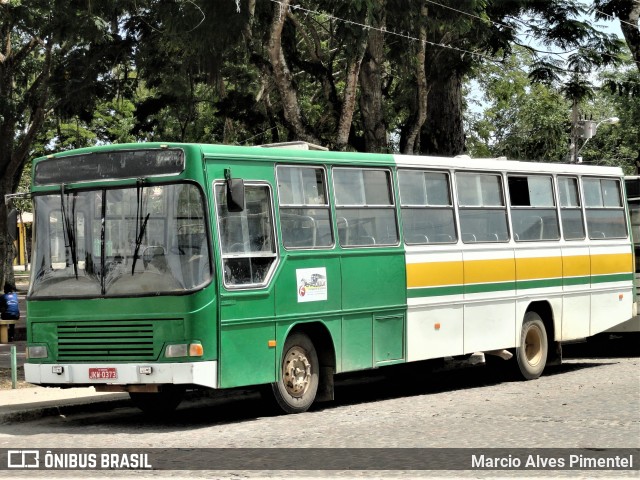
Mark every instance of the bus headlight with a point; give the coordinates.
(37, 352)
(184, 350)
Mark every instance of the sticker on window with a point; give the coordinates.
(312, 284)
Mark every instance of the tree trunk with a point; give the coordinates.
(350, 95)
(6, 260)
(631, 31)
(419, 115)
(14, 155)
(371, 71)
(443, 132)
(283, 78)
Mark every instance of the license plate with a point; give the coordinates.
(104, 373)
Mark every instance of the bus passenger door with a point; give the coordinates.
(248, 261)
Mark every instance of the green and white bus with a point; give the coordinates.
(164, 267)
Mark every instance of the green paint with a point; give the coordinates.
(388, 339)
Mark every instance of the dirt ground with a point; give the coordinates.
(5, 379)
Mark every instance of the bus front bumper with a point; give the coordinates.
(83, 374)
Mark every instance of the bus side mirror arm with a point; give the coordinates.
(9, 197)
(235, 192)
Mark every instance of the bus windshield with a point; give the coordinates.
(141, 240)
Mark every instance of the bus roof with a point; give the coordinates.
(293, 152)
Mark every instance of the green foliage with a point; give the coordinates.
(522, 120)
(530, 121)
(617, 144)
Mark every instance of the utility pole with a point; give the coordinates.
(573, 147)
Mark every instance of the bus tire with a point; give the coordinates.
(158, 403)
(297, 386)
(531, 355)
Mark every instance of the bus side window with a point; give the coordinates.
(570, 209)
(305, 216)
(427, 209)
(365, 207)
(533, 208)
(247, 237)
(483, 215)
(604, 208)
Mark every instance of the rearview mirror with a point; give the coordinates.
(235, 194)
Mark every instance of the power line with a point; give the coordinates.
(621, 21)
(614, 18)
(426, 42)
(522, 22)
(382, 30)
(485, 20)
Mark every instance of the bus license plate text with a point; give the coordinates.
(105, 373)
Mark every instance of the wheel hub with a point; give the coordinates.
(296, 372)
(533, 346)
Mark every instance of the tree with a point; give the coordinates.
(344, 74)
(522, 120)
(552, 23)
(628, 12)
(526, 120)
(55, 57)
(617, 144)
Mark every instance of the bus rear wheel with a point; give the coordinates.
(531, 355)
(158, 403)
(297, 386)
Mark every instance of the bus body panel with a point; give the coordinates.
(611, 285)
(374, 305)
(87, 329)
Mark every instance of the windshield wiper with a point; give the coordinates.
(141, 226)
(69, 229)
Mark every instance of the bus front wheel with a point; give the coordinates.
(531, 355)
(297, 386)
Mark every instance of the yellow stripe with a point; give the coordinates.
(537, 268)
(576, 266)
(481, 271)
(612, 263)
(436, 274)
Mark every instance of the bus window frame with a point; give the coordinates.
(326, 206)
(622, 207)
(553, 207)
(452, 205)
(579, 208)
(503, 208)
(392, 206)
(276, 254)
(90, 214)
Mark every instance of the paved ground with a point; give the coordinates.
(588, 403)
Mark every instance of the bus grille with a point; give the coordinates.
(106, 341)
